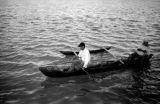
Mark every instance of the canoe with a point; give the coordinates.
(97, 65)
(91, 51)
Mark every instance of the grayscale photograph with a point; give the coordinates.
(79, 51)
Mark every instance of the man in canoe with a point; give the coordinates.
(84, 55)
(141, 55)
(143, 50)
(83, 58)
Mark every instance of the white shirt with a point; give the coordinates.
(84, 55)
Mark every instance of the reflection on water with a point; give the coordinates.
(33, 32)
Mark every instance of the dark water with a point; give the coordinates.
(32, 32)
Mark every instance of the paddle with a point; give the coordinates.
(112, 55)
(73, 51)
(82, 68)
(88, 74)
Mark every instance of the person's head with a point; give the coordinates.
(81, 46)
(145, 43)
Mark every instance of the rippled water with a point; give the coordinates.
(33, 32)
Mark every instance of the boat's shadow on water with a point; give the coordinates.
(93, 78)
(137, 76)
(105, 86)
(124, 86)
(50, 82)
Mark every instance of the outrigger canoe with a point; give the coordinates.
(99, 63)
(91, 51)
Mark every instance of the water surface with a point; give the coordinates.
(33, 32)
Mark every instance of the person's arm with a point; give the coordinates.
(144, 51)
(80, 54)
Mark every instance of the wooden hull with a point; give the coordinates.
(95, 67)
(50, 72)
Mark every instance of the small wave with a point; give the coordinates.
(29, 92)
(3, 15)
(47, 57)
(156, 26)
(34, 47)
(23, 22)
(8, 65)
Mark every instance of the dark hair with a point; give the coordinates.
(81, 44)
(145, 43)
